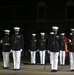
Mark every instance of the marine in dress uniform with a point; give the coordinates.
(54, 44)
(33, 47)
(42, 48)
(17, 43)
(6, 49)
(62, 49)
(51, 34)
(71, 49)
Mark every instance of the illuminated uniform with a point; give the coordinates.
(54, 44)
(63, 48)
(17, 43)
(42, 48)
(6, 49)
(71, 50)
(33, 43)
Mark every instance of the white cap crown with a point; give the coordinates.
(16, 28)
(72, 29)
(42, 33)
(55, 27)
(33, 34)
(7, 31)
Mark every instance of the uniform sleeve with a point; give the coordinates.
(1, 41)
(49, 43)
(60, 42)
(30, 44)
(11, 41)
(38, 44)
(22, 41)
(46, 44)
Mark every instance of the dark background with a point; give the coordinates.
(24, 13)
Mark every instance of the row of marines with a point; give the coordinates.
(12, 44)
(56, 45)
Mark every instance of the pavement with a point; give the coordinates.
(28, 69)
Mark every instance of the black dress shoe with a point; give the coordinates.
(72, 70)
(52, 70)
(5, 67)
(55, 70)
(16, 69)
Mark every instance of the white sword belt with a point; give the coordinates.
(6, 44)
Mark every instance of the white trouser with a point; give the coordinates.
(42, 57)
(33, 57)
(62, 57)
(50, 58)
(6, 58)
(71, 54)
(54, 60)
(16, 59)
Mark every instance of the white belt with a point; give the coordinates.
(6, 44)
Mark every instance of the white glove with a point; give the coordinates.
(11, 51)
(48, 51)
(21, 50)
(29, 50)
(1, 41)
(69, 40)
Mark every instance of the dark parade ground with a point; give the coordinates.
(36, 70)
